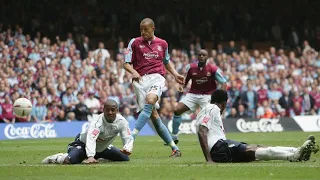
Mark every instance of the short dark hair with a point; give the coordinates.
(219, 96)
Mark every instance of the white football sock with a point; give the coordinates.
(61, 158)
(289, 149)
(273, 153)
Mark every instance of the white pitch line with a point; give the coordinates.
(158, 165)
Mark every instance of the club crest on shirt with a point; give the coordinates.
(141, 46)
(208, 74)
(159, 48)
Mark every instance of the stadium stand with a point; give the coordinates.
(70, 61)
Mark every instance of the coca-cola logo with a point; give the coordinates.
(185, 127)
(151, 55)
(263, 125)
(34, 131)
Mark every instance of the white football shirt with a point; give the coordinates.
(100, 134)
(210, 117)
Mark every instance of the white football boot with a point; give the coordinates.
(53, 159)
(298, 155)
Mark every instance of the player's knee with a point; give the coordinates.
(151, 99)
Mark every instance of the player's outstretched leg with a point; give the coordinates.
(164, 133)
(112, 153)
(176, 121)
(276, 153)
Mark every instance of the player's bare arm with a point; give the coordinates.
(135, 75)
(203, 139)
(179, 78)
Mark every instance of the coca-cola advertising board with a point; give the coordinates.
(53, 130)
(245, 125)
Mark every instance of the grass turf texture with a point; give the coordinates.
(20, 159)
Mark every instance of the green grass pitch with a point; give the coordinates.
(20, 159)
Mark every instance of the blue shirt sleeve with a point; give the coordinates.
(166, 58)
(128, 57)
(187, 68)
(220, 77)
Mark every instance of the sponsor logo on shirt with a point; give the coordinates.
(202, 80)
(205, 119)
(141, 46)
(151, 55)
(95, 132)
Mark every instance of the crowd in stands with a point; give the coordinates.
(68, 76)
(67, 81)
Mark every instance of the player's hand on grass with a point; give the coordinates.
(180, 79)
(91, 160)
(136, 77)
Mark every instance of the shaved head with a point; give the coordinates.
(111, 102)
(147, 29)
(148, 21)
(110, 110)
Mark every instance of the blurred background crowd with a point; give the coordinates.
(67, 58)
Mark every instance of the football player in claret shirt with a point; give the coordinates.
(96, 141)
(204, 78)
(147, 59)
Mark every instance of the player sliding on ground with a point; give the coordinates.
(96, 141)
(217, 148)
(147, 60)
(204, 77)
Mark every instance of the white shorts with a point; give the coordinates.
(151, 83)
(192, 101)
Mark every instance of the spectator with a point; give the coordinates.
(285, 101)
(265, 111)
(242, 111)
(81, 111)
(6, 110)
(250, 99)
(71, 117)
(39, 112)
(233, 113)
(85, 47)
(105, 53)
(307, 101)
(92, 103)
(296, 110)
(69, 100)
(128, 115)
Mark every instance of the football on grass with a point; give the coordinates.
(22, 107)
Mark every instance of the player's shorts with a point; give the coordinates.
(150, 83)
(77, 152)
(192, 101)
(225, 151)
